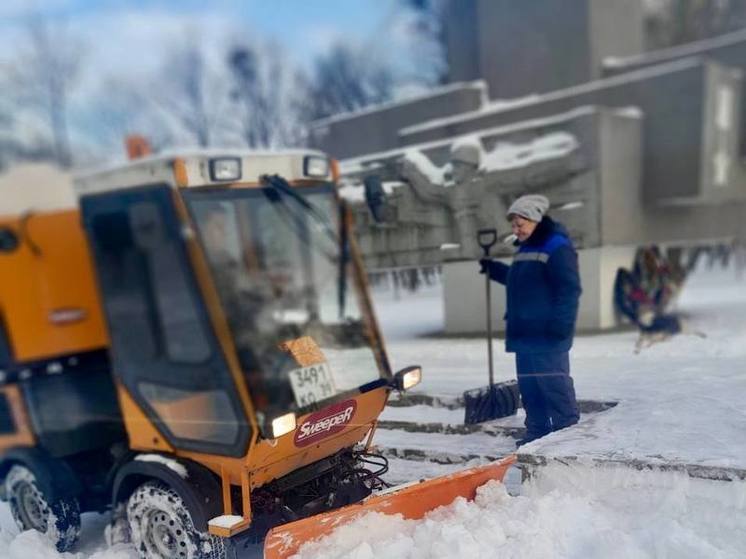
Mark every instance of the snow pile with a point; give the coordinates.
(507, 156)
(564, 513)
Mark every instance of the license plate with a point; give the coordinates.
(312, 384)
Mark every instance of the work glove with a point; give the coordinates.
(484, 265)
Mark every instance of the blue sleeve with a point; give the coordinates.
(499, 272)
(565, 280)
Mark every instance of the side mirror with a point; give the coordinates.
(407, 378)
(375, 197)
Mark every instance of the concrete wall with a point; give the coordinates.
(465, 301)
(534, 46)
(608, 155)
(376, 128)
(461, 35)
(617, 29)
(729, 50)
(672, 98)
(539, 45)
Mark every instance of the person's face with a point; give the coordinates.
(522, 227)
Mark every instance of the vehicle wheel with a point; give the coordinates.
(31, 509)
(161, 528)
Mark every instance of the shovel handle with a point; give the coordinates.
(487, 239)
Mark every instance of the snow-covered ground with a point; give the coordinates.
(681, 402)
(563, 512)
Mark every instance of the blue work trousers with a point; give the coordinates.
(547, 392)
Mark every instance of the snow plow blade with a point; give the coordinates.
(412, 501)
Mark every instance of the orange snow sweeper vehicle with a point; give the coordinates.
(191, 345)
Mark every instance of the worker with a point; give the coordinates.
(543, 291)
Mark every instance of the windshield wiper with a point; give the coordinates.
(283, 188)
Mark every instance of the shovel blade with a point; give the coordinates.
(491, 402)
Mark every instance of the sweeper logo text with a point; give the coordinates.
(327, 422)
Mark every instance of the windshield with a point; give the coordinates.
(289, 293)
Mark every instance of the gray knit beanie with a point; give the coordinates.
(530, 206)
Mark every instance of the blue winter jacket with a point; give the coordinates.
(543, 289)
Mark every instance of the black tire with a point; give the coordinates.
(161, 527)
(59, 520)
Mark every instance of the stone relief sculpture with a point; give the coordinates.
(418, 213)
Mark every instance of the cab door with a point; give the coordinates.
(164, 350)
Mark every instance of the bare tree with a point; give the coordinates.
(43, 77)
(190, 94)
(268, 95)
(344, 80)
(122, 107)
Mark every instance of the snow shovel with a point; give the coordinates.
(493, 401)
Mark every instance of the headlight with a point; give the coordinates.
(316, 166)
(283, 425)
(225, 169)
(408, 377)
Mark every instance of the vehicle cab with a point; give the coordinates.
(242, 333)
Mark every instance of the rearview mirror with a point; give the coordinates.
(407, 378)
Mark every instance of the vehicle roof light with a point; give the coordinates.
(283, 425)
(225, 169)
(316, 166)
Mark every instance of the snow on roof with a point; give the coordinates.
(680, 51)
(502, 157)
(368, 162)
(476, 84)
(511, 156)
(35, 187)
(573, 91)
